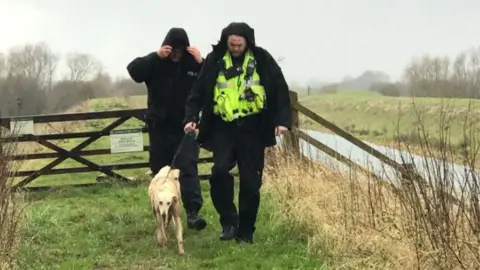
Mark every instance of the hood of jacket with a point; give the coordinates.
(176, 38)
(236, 28)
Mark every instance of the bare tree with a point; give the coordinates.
(102, 83)
(3, 65)
(28, 73)
(474, 64)
(444, 77)
(34, 62)
(81, 66)
(51, 67)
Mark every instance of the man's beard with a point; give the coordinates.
(237, 54)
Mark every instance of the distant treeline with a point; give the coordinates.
(429, 76)
(27, 86)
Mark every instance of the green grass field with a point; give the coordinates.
(385, 120)
(110, 226)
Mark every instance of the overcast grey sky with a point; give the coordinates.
(326, 40)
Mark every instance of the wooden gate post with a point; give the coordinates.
(291, 140)
(1, 135)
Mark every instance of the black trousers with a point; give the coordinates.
(164, 143)
(236, 144)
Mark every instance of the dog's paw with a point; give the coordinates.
(163, 243)
(181, 251)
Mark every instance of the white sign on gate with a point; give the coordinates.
(127, 140)
(22, 126)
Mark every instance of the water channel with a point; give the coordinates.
(455, 173)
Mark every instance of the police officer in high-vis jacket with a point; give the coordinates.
(244, 102)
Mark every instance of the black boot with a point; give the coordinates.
(244, 238)
(195, 221)
(229, 232)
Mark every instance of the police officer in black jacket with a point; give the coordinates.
(237, 69)
(169, 74)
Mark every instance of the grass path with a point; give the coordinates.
(112, 228)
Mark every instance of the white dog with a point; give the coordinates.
(164, 193)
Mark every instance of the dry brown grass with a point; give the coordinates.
(11, 209)
(334, 211)
(355, 223)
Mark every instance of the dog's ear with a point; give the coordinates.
(175, 199)
(177, 174)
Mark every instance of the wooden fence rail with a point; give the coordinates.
(299, 108)
(77, 153)
(407, 171)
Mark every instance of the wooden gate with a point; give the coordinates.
(77, 153)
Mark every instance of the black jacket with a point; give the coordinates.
(168, 83)
(279, 110)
